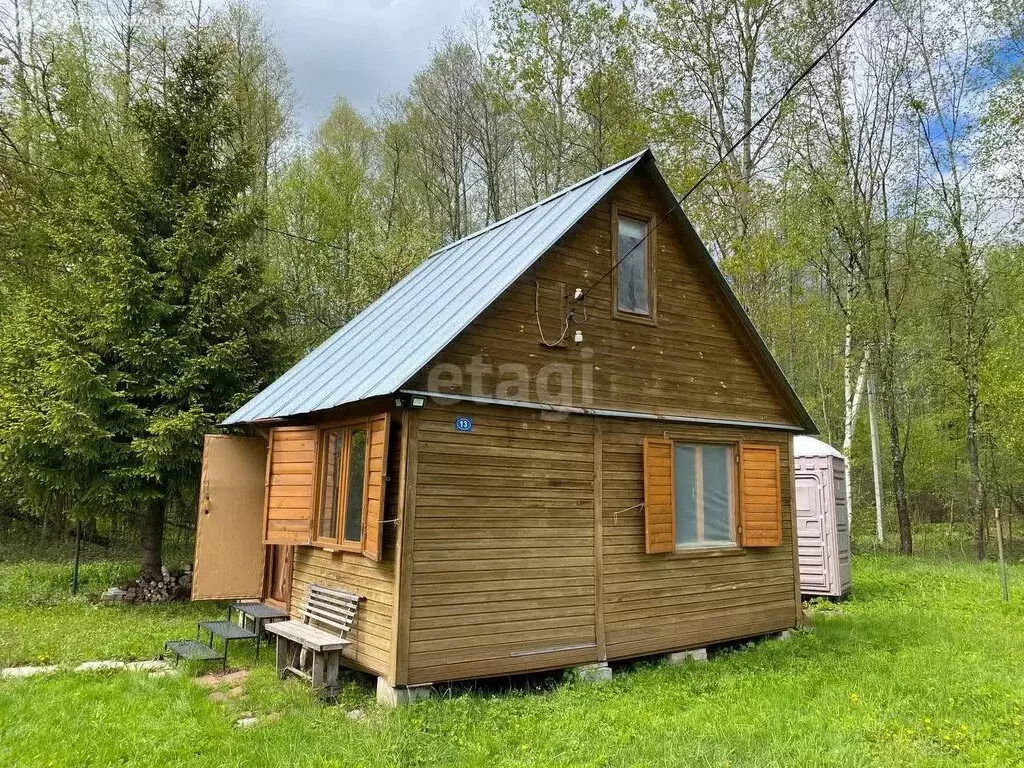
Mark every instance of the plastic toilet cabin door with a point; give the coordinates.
(811, 532)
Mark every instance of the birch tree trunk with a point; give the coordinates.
(853, 390)
(876, 462)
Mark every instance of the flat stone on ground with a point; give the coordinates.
(27, 671)
(153, 665)
(593, 673)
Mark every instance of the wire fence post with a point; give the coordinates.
(78, 557)
(1002, 558)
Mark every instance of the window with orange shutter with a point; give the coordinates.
(706, 495)
(349, 512)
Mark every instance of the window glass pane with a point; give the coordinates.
(685, 480)
(632, 270)
(329, 495)
(354, 492)
(716, 493)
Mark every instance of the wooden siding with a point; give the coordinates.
(503, 562)
(354, 572)
(290, 472)
(695, 362)
(657, 603)
(504, 567)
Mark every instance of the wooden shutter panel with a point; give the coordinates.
(291, 473)
(229, 544)
(760, 495)
(373, 542)
(659, 516)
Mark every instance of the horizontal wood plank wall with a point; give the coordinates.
(359, 574)
(503, 560)
(657, 603)
(694, 362)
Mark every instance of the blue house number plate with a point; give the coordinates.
(463, 424)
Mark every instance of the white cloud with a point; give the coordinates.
(358, 49)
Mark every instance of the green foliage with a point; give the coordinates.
(139, 310)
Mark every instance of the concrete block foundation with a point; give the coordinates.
(401, 695)
(682, 657)
(593, 673)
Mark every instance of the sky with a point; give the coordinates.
(359, 49)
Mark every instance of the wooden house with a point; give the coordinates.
(519, 476)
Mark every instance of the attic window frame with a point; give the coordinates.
(650, 243)
(338, 542)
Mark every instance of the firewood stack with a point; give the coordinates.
(171, 586)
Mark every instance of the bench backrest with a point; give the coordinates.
(334, 609)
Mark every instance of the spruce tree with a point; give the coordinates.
(195, 335)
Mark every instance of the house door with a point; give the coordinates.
(811, 533)
(229, 530)
(277, 578)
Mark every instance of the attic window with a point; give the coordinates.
(634, 273)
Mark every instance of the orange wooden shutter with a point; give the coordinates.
(659, 516)
(373, 543)
(291, 473)
(760, 495)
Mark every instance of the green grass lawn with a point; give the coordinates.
(41, 624)
(923, 666)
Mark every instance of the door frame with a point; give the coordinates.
(268, 569)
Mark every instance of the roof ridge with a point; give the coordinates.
(533, 206)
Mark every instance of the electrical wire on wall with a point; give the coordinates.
(570, 317)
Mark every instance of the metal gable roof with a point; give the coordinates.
(383, 346)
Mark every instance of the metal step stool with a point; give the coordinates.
(193, 650)
(227, 631)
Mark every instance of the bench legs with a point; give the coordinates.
(325, 666)
(281, 658)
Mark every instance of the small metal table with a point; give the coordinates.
(260, 614)
(227, 631)
(192, 650)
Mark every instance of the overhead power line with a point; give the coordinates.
(754, 126)
(292, 235)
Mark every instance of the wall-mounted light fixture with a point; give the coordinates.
(417, 401)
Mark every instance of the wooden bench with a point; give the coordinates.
(327, 618)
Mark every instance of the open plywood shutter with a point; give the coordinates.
(659, 517)
(229, 548)
(290, 476)
(760, 495)
(376, 477)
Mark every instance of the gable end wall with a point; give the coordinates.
(696, 361)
